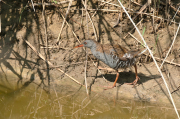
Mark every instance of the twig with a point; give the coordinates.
(171, 46)
(99, 6)
(142, 8)
(174, 15)
(70, 2)
(170, 62)
(49, 4)
(153, 21)
(175, 90)
(132, 29)
(136, 3)
(110, 3)
(178, 12)
(91, 21)
(135, 38)
(65, 65)
(85, 70)
(153, 59)
(33, 5)
(5, 3)
(43, 15)
(51, 47)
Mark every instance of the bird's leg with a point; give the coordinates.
(114, 84)
(117, 76)
(137, 77)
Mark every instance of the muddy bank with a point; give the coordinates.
(17, 58)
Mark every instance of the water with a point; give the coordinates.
(29, 100)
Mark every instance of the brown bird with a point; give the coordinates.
(115, 56)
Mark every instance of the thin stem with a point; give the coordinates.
(171, 46)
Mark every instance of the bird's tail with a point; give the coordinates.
(137, 53)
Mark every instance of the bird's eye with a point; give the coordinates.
(85, 43)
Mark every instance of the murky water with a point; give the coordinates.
(28, 101)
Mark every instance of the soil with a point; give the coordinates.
(21, 23)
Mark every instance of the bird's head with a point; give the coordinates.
(86, 43)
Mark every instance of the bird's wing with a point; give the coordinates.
(115, 50)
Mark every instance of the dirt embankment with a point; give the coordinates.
(45, 33)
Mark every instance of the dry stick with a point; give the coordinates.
(170, 62)
(175, 90)
(171, 46)
(174, 15)
(43, 15)
(153, 23)
(33, 5)
(65, 65)
(132, 29)
(114, 4)
(49, 4)
(109, 3)
(142, 9)
(82, 16)
(129, 4)
(135, 38)
(99, 6)
(153, 59)
(91, 22)
(136, 3)
(64, 22)
(41, 56)
(51, 47)
(5, 3)
(175, 9)
(86, 49)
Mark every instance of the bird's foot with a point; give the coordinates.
(109, 87)
(134, 82)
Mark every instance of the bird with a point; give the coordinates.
(115, 56)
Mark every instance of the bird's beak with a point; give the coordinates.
(81, 45)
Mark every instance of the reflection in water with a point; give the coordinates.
(28, 101)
